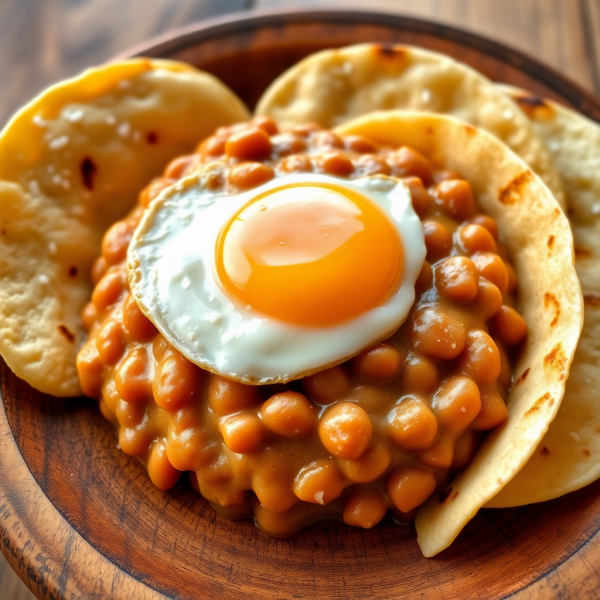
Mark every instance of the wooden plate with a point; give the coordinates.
(78, 518)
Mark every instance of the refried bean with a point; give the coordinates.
(379, 432)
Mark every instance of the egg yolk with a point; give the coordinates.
(310, 254)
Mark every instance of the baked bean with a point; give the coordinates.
(409, 488)
(464, 449)
(297, 163)
(476, 238)
(249, 175)
(226, 397)
(242, 432)
(492, 267)
(89, 315)
(138, 326)
(266, 124)
(345, 430)
(272, 492)
(438, 240)
(289, 414)
(440, 454)
(411, 424)
(437, 334)
(161, 471)
(493, 410)
(371, 164)
(425, 278)
(370, 466)
(252, 143)
(509, 326)
(176, 168)
(185, 450)
(455, 197)
(285, 144)
(335, 163)
(153, 190)
(445, 175)
(133, 377)
(357, 143)
(365, 508)
(177, 382)
(99, 269)
(110, 341)
(326, 139)
(421, 375)
(456, 403)
(214, 146)
(487, 222)
(480, 359)
(457, 279)
(489, 299)
(505, 376)
(89, 368)
(382, 362)
(327, 386)
(160, 347)
(116, 241)
(421, 199)
(319, 483)
(108, 290)
(407, 161)
(135, 441)
(306, 129)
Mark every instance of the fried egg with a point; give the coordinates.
(281, 281)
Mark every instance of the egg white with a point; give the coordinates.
(172, 274)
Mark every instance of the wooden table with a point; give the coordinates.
(44, 41)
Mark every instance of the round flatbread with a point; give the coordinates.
(71, 163)
(333, 86)
(538, 237)
(568, 456)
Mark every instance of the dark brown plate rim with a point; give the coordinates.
(241, 22)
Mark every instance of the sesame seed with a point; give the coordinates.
(124, 129)
(575, 437)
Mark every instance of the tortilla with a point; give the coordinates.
(71, 163)
(333, 86)
(538, 237)
(568, 457)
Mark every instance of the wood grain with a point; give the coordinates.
(50, 538)
(43, 42)
(550, 30)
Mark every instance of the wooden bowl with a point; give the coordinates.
(81, 519)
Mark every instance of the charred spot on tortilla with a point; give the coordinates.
(586, 453)
(152, 137)
(73, 271)
(550, 242)
(445, 494)
(88, 171)
(556, 358)
(66, 333)
(535, 107)
(511, 192)
(544, 451)
(523, 376)
(538, 404)
(550, 298)
(390, 52)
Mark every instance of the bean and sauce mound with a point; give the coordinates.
(379, 432)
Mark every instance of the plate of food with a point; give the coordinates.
(302, 305)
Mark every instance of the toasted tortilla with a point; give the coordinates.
(538, 237)
(71, 163)
(333, 86)
(568, 456)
